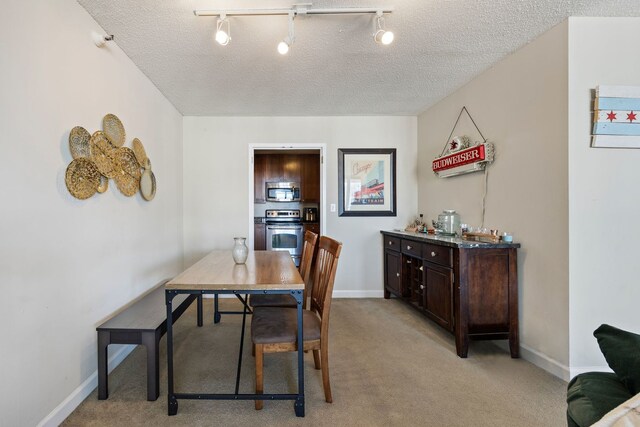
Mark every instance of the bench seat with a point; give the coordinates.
(143, 323)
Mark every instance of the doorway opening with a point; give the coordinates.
(287, 193)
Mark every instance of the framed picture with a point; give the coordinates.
(367, 182)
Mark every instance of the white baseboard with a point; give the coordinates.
(358, 294)
(64, 409)
(539, 359)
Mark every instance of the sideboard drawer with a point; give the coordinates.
(438, 254)
(392, 243)
(412, 248)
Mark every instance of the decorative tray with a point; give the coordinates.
(480, 237)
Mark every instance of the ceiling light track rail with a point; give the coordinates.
(295, 10)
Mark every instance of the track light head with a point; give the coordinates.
(223, 37)
(284, 45)
(381, 35)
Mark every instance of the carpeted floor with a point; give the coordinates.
(389, 366)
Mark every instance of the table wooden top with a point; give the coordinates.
(264, 270)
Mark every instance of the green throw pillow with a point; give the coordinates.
(622, 351)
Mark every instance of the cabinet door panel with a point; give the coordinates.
(259, 237)
(392, 265)
(259, 175)
(310, 183)
(313, 227)
(439, 294)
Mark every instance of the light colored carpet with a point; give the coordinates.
(389, 366)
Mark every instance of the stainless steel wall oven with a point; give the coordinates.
(285, 232)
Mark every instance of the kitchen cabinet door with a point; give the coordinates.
(259, 237)
(291, 167)
(259, 174)
(310, 183)
(313, 227)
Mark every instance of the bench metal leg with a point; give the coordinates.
(104, 339)
(151, 340)
(216, 310)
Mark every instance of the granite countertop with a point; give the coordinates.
(451, 241)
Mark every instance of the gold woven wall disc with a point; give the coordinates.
(104, 184)
(79, 142)
(128, 171)
(102, 154)
(138, 149)
(148, 185)
(82, 178)
(126, 160)
(113, 129)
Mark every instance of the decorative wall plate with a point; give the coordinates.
(82, 178)
(138, 149)
(113, 129)
(79, 142)
(102, 154)
(148, 185)
(128, 172)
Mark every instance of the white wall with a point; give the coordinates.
(216, 173)
(604, 204)
(519, 105)
(66, 264)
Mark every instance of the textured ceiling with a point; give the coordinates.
(334, 67)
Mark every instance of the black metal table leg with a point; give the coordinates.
(299, 402)
(172, 402)
(244, 322)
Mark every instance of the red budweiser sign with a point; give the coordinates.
(461, 158)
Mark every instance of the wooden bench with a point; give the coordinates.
(144, 323)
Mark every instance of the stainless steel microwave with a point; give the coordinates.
(282, 192)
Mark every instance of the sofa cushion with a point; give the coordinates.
(592, 394)
(622, 351)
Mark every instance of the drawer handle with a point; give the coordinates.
(408, 247)
(390, 242)
(433, 254)
(421, 286)
(397, 274)
(422, 268)
(408, 261)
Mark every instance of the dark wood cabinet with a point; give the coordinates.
(301, 168)
(392, 272)
(439, 295)
(259, 237)
(468, 288)
(310, 178)
(312, 226)
(259, 175)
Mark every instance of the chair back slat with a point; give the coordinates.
(308, 252)
(327, 257)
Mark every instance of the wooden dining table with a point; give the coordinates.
(265, 272)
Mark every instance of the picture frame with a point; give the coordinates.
(367, 182)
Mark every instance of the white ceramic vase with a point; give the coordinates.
(240, 250)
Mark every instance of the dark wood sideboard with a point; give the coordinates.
(468, 288)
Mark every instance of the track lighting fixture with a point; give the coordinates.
(223, 37)
(284, 45)
(223, 29)
(381, 35)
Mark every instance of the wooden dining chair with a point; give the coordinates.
(275, 329)
(306, 262)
